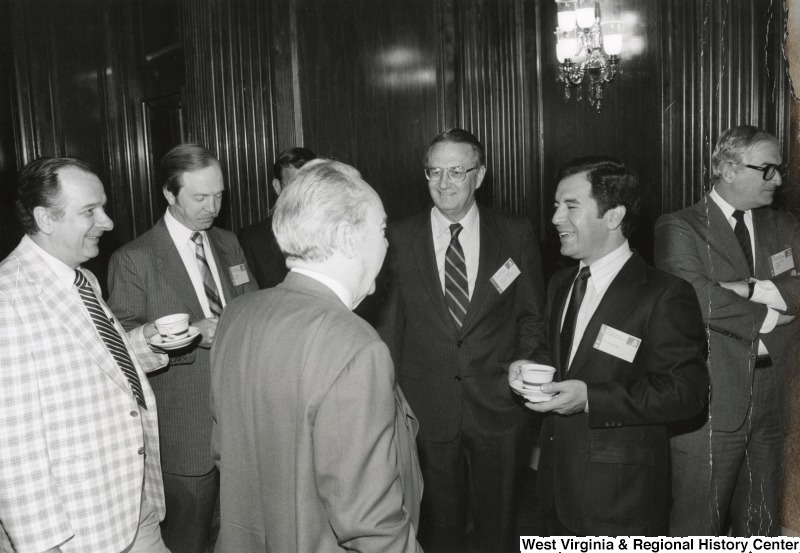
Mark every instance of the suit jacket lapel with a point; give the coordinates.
(488, 262)
(425, 259)
(223, 266)
(68, 310)
(173, 272)
(766, 243)
(725, 238)
(618, 301)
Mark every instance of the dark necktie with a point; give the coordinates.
(210, 287)
(111, 338)
(743, 236)
(456, 287)
(571, 316)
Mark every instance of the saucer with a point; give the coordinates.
(533, 396)
(158, 342)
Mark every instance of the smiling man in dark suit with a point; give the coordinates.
(465, 301)
(184, 265)
(627, 342)
(738, 255)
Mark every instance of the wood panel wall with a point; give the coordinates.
(370, 82)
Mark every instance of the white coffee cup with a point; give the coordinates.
(534, 375)
(173, 327)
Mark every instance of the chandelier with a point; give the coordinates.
(587, 49)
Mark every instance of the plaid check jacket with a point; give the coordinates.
(74, 446)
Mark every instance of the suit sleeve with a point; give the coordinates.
(788, 285)
(674, 377)
(677, 252)
(355, 457)
(529, 305)
(127, 291)
(31, 510)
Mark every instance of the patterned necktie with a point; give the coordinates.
(209, 285)
(571, 317)
(456, 287)
(110, 335)
(743, 236)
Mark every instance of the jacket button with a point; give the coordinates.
(458, 378)
(551, 438)
(459, 344)
(134, 414)
(141, 451)
(752, 356)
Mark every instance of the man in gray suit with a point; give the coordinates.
(738, 255)
(184, 265)
(315, 441)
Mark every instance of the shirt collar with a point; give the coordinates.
(336, 287)
(610, 263)
(727, 209)
(63, 272)
(441, 224)
(180, 233)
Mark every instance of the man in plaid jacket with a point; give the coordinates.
(79, 452)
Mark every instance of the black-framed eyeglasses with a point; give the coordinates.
(769, 169)
(456, 174)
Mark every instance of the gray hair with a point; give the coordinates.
(323, 195)
(733, 144)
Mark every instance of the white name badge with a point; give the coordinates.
(617, 343)
(781, 262)
(239, 274)
(505, 275)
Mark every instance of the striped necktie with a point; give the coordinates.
(456, 286)
(210, 287)
(743, 236)
(571, 316)
(110, 335)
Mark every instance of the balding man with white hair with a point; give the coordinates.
(315, 442)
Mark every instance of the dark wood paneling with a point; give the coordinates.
(371, 89)
(229, 100)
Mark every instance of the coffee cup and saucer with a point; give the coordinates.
(529, 385)
(174, 332)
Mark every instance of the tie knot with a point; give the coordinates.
(80, 279)
(584, 274)
(455, 229)
(197, 238)
(739, 216)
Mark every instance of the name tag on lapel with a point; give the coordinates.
(781, 262)
(617, 343)
(505, 275)
(239, 274)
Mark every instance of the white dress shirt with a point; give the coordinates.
(764, 292)
(469, 238)
(335, 286)
(182, 237)
(603, 271)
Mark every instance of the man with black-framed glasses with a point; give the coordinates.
(466, 300)
(740, 257)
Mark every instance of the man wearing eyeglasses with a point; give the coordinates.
(740, 257)
(466, 301)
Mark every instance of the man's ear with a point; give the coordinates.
(44, 219)
(347, 239)
(277, 186)
(614, 217)
(481, 175)
(169, 196)
(728, 172)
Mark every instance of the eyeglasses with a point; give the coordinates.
(768, 169)
(456, 174)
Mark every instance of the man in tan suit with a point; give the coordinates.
(315, 441)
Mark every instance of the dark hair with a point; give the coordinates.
(293, 157)
(459, 136)
(39, 186)
(613, 184)
(183, 159)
